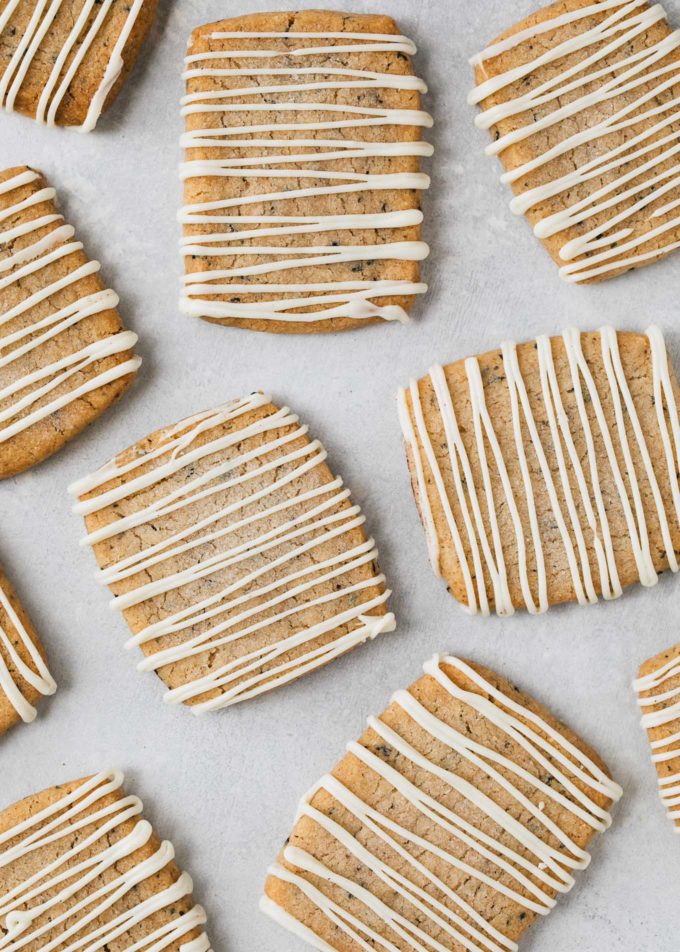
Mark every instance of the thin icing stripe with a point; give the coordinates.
(612, 245)
(475, 531)
(33, 673)
(359, 299)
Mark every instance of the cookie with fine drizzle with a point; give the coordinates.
(303, 147)
(581, 100)
(80, 868)
(546, 472)
(24, 677)
(460, 815)
(236, 556)
(64, 354)
(62, 62)
(658, 690)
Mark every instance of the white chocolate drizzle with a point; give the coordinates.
(528, 871)
(661, 709)
(64, 896)
(639, 175)
(88, 23)
(33, 672)
(575, 487)
(27, 400)
(263, 156)
(292, 523)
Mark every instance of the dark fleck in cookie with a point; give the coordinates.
(546, 472)
(459, 816)
(302, 173)
(235, 555)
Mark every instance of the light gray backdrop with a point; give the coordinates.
(224, 788)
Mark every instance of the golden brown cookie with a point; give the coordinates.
(546, 472)
(658, 690)
(235, 555)
(581, 103)
(64, 354)
(458, 817)
(63, 62)
(81, 869)
(302, 173)
(24, 677)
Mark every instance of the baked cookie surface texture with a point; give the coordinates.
(62, 62)
(64, 354)
(81, 869)
(459, 816)
(234, 553)
(581, 100)
(24, 677)
(302, 172)
(658, 690)
(546, 472)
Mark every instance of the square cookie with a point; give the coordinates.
(459, 816)
(581, 100)
(24, 677)
(546, 472)
(64, 354)
(63, 62)
(81, 869)
(235, 555)
(302, 172)
(658, 690)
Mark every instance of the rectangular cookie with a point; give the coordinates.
(546, 472)
(235, 555)
(81, 869)
(62, 62)
(302, 172)
(658, 690)
(459, 816)
(581, 100)
(24, 677)
(64, 354)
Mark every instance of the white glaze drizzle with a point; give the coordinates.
(334, 299)
(664, 749)
(477, 530)
(320, 521)
(638, 184)
(528, 876)
(68, 875)
(76, 46)
(34, 672)
(24, 393)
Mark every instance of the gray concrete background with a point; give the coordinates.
(224, 788)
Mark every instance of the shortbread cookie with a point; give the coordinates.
(62, 62)
(458, 817)
(302, 173)
(24, 677)
(581, 100)
(235, 555)
(64, 355)
(546, 472)
(658, 689)
(81, 869)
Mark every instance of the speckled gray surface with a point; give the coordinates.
(224, 788)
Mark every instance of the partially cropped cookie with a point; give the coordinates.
(581, 103)
(235, 555)
(81, 869)
(64, 354)
(546, 472)
(302, 178)
(658, 690)
(24, 677)
(459, 816)
(62, 63)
